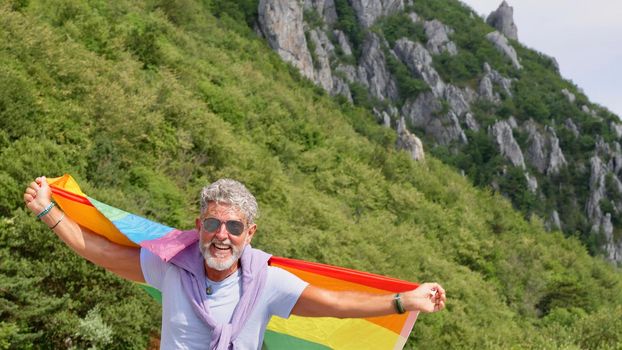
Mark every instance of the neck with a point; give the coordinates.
(216, 275)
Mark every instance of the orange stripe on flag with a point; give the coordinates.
(395, 323)
(75, 204)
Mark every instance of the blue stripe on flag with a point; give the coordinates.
(139, 229)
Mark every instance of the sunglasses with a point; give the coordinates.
(234, 227)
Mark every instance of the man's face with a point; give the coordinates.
(220, 248)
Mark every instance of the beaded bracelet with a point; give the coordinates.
(46, 210)
(58, 222)
(398, 304)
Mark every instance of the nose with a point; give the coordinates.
(221, 233)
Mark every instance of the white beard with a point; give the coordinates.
(215, 262)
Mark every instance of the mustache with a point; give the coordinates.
(225, 242)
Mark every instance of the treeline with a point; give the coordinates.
(146, 102)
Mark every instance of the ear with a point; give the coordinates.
(251, 233)
(197, 222)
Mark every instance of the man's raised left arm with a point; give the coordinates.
(318, 302)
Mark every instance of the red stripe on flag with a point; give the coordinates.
(71, 196)
(342, 273)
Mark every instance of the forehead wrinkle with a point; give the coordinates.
(224, 210)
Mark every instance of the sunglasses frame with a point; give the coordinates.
(227, 224)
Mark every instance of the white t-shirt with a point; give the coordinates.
(182, 328)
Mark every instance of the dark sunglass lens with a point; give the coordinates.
(211, 224)
(235, 227)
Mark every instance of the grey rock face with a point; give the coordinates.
(536, 153)
(419, 61)
(323, 48)
(512, 122)
(422, 109)
(597, 192)
(501, 132)
(282, 25)
(502, 45)
(348, 71)
(408, 141)
(503, 20)
(572, 127)
(344, 74)
(414, 17)
(553, 222)
(486, 87)
(569, 95)
(367, 11)
(373, 72)
(386, 120)
(486, 91)
(617, 128)
(543, 151)
(459, 100)
(532, 182)
(470, 121)
(615, 164)
(340, 87)
(325, 8)
(343, 42)
(612, 248)
(426, 112)
(589, 111)
(438, 38)
(601, 222)
(556, 156)
(602, 147)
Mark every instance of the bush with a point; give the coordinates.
(349, 24)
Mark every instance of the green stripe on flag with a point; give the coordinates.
(279, 341)
(111, 213)
(155, 294)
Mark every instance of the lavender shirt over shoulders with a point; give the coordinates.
(183, 327)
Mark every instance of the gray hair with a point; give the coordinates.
(231, 192)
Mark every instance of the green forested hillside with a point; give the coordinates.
(146, 102)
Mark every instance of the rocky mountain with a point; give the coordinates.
(471, 94)
(503, 20)
(145, 102)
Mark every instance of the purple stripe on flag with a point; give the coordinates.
(410, 322)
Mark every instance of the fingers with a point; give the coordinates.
(31, 192)
(437, 292)
(435, 295)
(439, 306)
(42, 181)
(37, 193)
(28, 197)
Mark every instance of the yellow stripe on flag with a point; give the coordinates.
(335, 333)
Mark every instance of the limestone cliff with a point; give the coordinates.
(503, 20)
(439, 84)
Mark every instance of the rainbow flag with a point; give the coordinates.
(304, 333)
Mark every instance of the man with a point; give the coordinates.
(220, 292)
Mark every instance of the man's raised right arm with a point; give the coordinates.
(119, 259)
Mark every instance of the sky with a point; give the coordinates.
(585, 37)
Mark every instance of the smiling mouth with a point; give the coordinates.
(221, 248)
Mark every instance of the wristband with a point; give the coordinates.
(46, 210)
(399, 307)
(58, 222)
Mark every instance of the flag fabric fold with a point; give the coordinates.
(387, 332)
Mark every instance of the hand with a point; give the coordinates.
(38, 195)
(428, 297)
